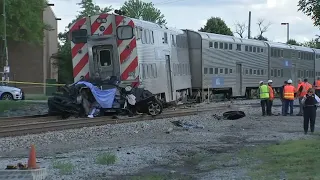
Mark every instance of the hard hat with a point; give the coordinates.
(260, 82)
(269, 81)
(289, 81)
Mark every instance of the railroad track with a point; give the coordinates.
(35, 127)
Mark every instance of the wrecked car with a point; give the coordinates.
(85, 98)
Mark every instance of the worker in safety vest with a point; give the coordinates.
(271, 97)
(317, 86)
(288, 96)
(299, 95)
(264, 96)
(281, 97)
(309, 101)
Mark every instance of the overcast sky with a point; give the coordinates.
(191, 14)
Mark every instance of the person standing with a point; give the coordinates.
(281, 97)
(317, 86)
(264, 96)
(309, 101)
(299, 95)
(271, 97)
(288, 96)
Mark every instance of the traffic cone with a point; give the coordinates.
(32, 163)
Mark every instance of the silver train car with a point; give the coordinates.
(163, 60)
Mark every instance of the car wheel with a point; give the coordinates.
(6, 96)
(155, 108)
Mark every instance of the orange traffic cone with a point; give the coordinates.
(32, 163)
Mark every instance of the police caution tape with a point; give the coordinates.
(32, 83)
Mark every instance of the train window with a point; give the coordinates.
(299, 55)
(226, 70)
(165, 38)
(225, 45)
(278, 52)
(246, 48)
(216, 45)
(281, 73)
(230, 46)
(216, 70)
(307, 74)
(105, 57)
(210, 44)
(304, 73)
(258, 72)
(205, 70)
(247, 71)
(146, 35)
(152, 37)
(230, 71)
(275, 73)
(281, 53)
(211, 71)
(174, 43)
(258, 49)
(254, 49)
(250, 71)
(238, 47)
(254, 72)
(221, 45)
(221, 71)
(271, 73)
(262, 50)
(272, 52)
(250, 48)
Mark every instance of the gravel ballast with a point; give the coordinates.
(154, 146)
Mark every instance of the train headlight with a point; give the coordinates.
(128, 88)
(98, 20)
(102, 28)
(104, 20)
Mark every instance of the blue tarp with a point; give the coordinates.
(104, 97)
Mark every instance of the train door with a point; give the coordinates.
(239, 79)
(169, 77)
(104, 62)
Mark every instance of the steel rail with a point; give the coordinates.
(47, 126)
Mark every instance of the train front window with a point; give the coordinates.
(105, 57)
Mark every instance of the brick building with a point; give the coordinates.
(32, 63)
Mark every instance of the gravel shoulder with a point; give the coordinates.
(155, 149)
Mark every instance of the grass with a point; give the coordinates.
(294, 160)
(36, 97)
(64, 168)
(6, 105)
(158, 176)
(106, 159)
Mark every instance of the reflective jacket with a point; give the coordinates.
(288, 92)
(271, 93)
(317, 84)
(264, 92)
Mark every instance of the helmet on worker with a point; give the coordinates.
(261, 82)
(289, 81)
(270, 81)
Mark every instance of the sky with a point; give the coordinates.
(191, 14)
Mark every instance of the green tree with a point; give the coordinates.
(310, 8)
(314, 43)
(64, 57)
(141, 10)
(216, 25)
(261, 38)
(293, 42)
(24, 20)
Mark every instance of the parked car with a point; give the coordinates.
(10, 93)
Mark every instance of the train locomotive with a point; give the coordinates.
(179, 64)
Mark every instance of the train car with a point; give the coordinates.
(139, 52)
(282, 63)
(163, 60)
(305, 66)
(226, 64)
(317, 63)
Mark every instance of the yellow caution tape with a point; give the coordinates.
(32, 83)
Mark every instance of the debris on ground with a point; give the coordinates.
(186, 125)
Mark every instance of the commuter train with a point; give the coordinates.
(177, 64)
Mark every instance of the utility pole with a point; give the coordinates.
(249, 26)
(5, 50)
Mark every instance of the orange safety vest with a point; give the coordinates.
(298, 87)
(271, 93)
(288, 92)
(306, 87)
(317, 84)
